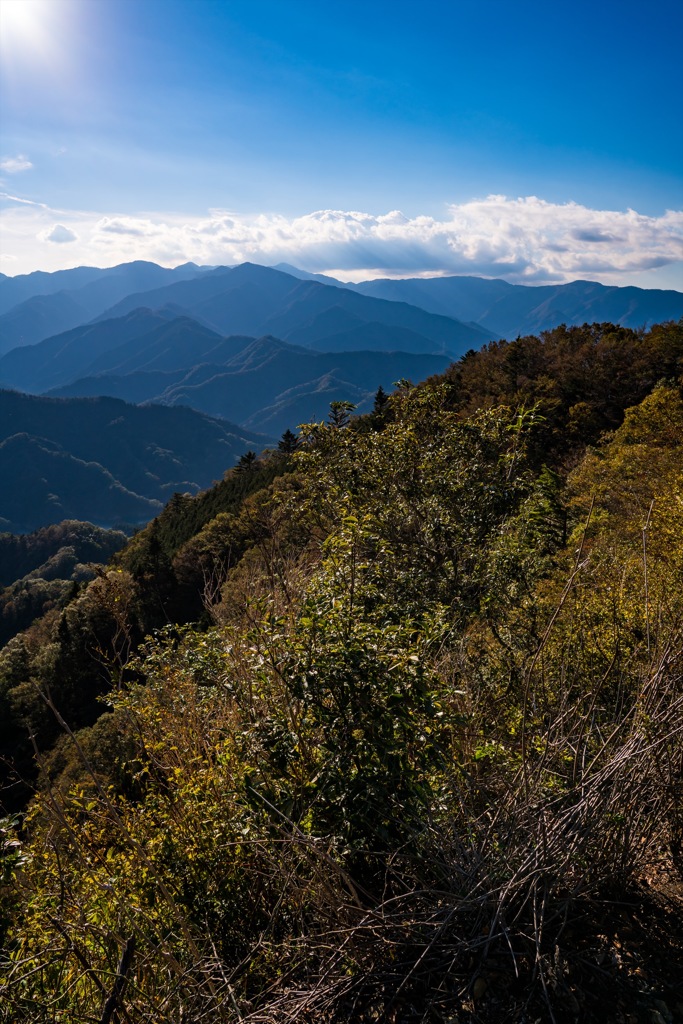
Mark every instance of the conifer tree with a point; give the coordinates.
(288, 443)
(381, 402)
(247, 462)
(340, 413)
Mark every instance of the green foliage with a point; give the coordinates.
(433, 730)
(29, 599)
(630, 468)
(340, 413)
(353, 753)
(247, 462)
(432, 487)
(185, 515)
(288, 443)
(381, 402)
(69, 660)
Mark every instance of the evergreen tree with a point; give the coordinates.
(381, 402)
(247, 462)
(288, 443)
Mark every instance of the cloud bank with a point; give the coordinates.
(525, 240)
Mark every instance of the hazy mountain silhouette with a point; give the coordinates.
(68, 355)
(510, 310)
(284, 301)
(258, 345)
(305, 275)
(39, 317)
(181, 363)
(374, 337)
(37, 306)
(14, 290)
(161, 353)
(310, 402)
(255, 300)
(256, 387)
(48, 483)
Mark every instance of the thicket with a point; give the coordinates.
(418, 759)
(77, 648)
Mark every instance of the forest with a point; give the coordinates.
(387, 725)
(39, 570)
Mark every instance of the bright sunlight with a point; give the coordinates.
(35, 34)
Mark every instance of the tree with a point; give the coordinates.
(340, 413)
(288, 443)
(247, 462)
(381, 402)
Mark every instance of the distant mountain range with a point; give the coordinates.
(248, 299)
(251, 344)
(233, 353)
(270, 347)
(104, 460)
(289, 303)
(256, 301)
(36, 306)
(509, 310)
(153, 356)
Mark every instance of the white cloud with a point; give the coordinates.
(128, 226)
(518, 239)
(14, 164)
(58, 234)
(523, 240)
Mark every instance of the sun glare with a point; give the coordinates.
(21, 20)
(33, 35)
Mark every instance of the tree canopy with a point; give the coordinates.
(385, 728)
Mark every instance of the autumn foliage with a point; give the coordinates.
(409, 741)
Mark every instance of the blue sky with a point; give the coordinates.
(217, 130)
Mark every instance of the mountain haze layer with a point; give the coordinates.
(255, 300)
(269, 348)
(510, 310)
(326, 343)
(36, 306)
(263, 383)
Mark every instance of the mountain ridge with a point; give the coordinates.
(106, 460)
(21, 321)
(35, 306)
(510, 310)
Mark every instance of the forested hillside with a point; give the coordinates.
(39, 570)
(104, 460)
(383, 727)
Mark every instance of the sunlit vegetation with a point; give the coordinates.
(384, 727)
